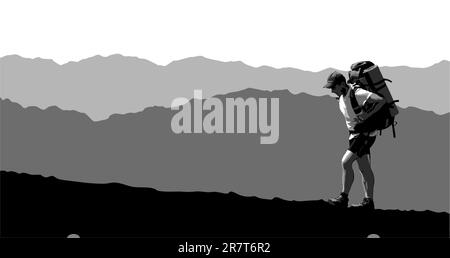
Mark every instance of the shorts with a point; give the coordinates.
(360, 144)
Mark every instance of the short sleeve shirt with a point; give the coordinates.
(345, 106)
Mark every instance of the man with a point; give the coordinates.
(359, 142)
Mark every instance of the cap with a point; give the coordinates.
(333, 79)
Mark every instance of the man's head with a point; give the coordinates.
(336, 83)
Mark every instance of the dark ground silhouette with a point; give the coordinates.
(37, 206)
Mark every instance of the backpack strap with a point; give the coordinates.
(393, 128)
(356, 108)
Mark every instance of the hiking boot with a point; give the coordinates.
(366, 204)
(341, 201)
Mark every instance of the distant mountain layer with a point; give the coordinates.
(101, 86)
(140, 149)
(34, 206)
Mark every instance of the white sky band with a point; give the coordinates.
(309, 35)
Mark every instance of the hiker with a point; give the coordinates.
(359, 142)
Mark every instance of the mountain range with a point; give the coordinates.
(101, 86)
(139, 149)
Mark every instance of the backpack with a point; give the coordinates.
(367, 75)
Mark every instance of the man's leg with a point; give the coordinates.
(347, 180)
(347, 171)
(368, 179)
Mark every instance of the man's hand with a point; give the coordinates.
(360, 118)
(372, 105)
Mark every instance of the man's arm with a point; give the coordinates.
(371, 106)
